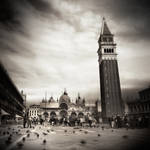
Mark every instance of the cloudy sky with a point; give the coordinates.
(49, 45)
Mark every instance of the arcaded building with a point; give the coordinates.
(11, 100)
(141, 106)
(63, 108)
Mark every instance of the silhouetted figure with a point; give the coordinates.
(41, 121)
(25, 117)
(29, 122)
(118, 121)
(90, 121)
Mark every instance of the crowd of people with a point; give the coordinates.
(129, 121)
(65, 121)
(73, 121)
(89, 121)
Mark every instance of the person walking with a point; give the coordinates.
(24, 119)
(29, 122)
(81, 121)
(90, 121)
(112, 122)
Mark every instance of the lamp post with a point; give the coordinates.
(45, 105)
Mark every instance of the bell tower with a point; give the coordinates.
(111, 99)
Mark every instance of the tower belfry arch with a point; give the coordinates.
(111, 99)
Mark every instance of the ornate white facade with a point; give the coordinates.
(62, 108)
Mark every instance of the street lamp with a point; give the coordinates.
(45, 113)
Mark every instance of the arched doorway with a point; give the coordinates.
(63, 113)
(53, 114)
(80, 115)
(63, 117)
(73, 114)
(64, 106)
(72, 118)
(53, 119)
(45, 114)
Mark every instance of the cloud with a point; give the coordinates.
(51, 45)
(132, 16)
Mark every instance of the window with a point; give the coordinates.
(110, 39)
(108, 50)
(104, 39)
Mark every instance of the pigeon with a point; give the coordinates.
(8, 142)
(44, 133)
(102, 127)
(27, 131)
(44, 141)
(9, 138)
(86, 132)
(23, 139)
(28, 135)
(20, 144)
(47, 130)
(73, 131)
(65, 130)
(125, 136)
(98, 135)
(37, 134)
(83, 142)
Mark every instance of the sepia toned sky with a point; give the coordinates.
(49, 45)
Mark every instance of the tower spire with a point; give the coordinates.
(78, 95)
(105, 30)
(65, 91)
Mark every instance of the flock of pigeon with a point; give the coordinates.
(16, 137)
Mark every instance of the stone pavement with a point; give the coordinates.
(72, 138)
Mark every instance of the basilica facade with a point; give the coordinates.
(64, 108)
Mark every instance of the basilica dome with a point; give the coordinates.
(64, 98)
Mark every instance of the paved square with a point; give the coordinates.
(71, 138)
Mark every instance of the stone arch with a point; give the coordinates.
(45, 114)
(63, 113)
(73, 114)
(80, 115)
(53, 114)
(64, 106)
